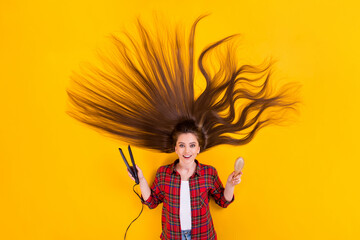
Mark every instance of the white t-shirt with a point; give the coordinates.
(185, 206)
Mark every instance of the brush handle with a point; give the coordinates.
(239, 164)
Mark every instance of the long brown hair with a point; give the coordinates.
(146, 88)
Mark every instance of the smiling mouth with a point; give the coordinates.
(187, 157)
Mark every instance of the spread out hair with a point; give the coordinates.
(143, 93)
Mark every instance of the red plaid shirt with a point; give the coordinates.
(203, 183)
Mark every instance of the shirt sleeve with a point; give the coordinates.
(217, 192)
(156, 196)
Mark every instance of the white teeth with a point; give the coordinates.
(187, 156)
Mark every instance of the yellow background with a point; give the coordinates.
(62, 180)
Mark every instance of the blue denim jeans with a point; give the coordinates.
(186, 235)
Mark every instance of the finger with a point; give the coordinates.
(138, 168)
(130, 175)
(236, 182)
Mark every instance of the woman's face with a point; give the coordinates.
(187, 147)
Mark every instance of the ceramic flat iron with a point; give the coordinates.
(132, 169)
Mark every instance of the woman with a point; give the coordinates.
(184, 188)
(144, 94)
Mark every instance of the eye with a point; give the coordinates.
(192, 145)
(181, 145)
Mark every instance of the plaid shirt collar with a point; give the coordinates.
(198, 169)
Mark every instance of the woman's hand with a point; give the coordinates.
(139, 173)
(144, 186)
(234, 179)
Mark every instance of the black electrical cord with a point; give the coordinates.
(142, 208)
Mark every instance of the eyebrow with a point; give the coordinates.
(189, 143)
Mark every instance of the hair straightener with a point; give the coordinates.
(131, 169)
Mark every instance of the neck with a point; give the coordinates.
(186, 166)
(186, 170)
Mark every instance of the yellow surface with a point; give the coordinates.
(62, 180)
